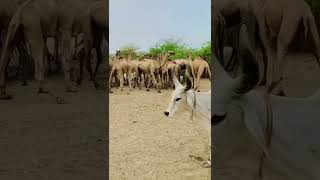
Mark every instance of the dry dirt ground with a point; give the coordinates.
(58, 141)
(144, 144)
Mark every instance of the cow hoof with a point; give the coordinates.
(131, 89)
(159, 91)
(121, 89)
(207, 164)
(110, 91)
(148, 89)
(42, 90)
(5, 96)
(198, 90)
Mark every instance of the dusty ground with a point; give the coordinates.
(145, 144)
(58, 141)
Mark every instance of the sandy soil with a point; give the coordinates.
(145, 144)
(58, 141)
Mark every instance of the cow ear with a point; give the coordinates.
(255, 125)
(175, 80)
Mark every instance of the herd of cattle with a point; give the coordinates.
(154, 71)
(26, 26)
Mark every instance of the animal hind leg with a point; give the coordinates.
(99, 54)
(66, 58)
(36, 44)
(23, 58)
(3, 67)
(121, 78)
(286, 34)
(110, 79)
(199, 74)
(154, 81)
(264, 36)
(147, 81)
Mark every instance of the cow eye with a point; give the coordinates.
(178, 99)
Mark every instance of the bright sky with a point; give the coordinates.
(146, 22)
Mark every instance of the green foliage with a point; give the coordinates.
(124, 50)
(204, 52)
(181, 50)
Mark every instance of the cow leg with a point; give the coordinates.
(99, 54)
(154, 81)
(23, 58)
(34, 38)
(147, 80)
(139, 79)
(121, 78)
(81, 63)
(160, 80)
(286, 34)
(267, 45)
(3, 68)
(110, 79)
(66, 58)
(199, 74)
(130, 77)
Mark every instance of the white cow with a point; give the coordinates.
(239, 129)
(199, 103)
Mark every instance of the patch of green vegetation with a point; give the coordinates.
(181, 50)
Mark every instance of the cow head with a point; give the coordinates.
(227, 89)
(237, 114)
(178, 96)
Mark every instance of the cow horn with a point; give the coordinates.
(248, 61)
(175, 80)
